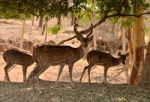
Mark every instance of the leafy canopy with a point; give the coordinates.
(55, 8)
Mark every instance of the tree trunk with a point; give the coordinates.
(33, 21)
(93, 21)
(44, 27)
(59, 20)
(22, 34)
(137, 39)
(46, 31)
(124, 32)
(145, 78)
(41, 21)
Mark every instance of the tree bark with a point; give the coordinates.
(137, 39)
(145, 78)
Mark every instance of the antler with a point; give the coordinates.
(91, 30)
(75, 28)
(77, 32)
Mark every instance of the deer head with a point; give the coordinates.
(79, 36)
(122, 57)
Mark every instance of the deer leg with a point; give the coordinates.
(89, 79)
(35, 76)
(70, 72)
(39, 71)
(85, 68)
(32, 76)
(6, 71)
(59, 73)
(24, 70)
(9, 71)
(35, 70)
(105, 74)
(89, 71)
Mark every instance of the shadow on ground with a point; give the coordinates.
(83, 92)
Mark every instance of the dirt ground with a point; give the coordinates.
(85, 92)
(115, 91)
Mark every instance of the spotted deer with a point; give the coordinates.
(48, 55)
(96, 57)
(12, 57)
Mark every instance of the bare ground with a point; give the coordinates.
(116, 91)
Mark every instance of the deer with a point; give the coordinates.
(96, 57)
(51, 55)
(14, 56)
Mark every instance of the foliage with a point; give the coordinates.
(13, 9)
(79, 8)
(47, 7)
(114, 10)
(54, 29)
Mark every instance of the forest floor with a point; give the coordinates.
(83, 92)
(17, 91)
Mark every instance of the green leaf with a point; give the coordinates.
(54, 29)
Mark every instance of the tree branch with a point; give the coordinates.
(66, 40)
(105, 17)
(129, 15)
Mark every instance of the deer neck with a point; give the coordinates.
(81, 52)
(117, 61)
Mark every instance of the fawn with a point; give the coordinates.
(96, 57)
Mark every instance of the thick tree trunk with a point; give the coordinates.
(145, 78)
(137, 39)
